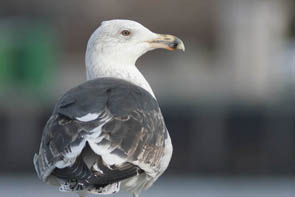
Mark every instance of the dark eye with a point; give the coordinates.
(125, 33)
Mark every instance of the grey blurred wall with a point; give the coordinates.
(228, 101)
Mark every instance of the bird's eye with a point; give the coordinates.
(125, 33)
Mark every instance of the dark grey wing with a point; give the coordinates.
(125, 132)
(94, 175)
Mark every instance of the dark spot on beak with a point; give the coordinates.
(173, 44)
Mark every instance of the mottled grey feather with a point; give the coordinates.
(88, 177)
(133, 130)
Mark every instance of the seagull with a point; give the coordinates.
(108, 133)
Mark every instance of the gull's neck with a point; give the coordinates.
(98, 66)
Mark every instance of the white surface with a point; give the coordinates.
(30, 186)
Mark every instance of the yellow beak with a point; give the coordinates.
(169, 42)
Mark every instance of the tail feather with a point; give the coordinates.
(90, 177)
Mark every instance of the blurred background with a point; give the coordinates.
(228, 101)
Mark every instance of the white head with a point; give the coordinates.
(115, 46)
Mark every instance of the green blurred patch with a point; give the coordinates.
(27, 57)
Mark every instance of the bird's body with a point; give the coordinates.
(108, 133)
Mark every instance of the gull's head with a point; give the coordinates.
(126, 41)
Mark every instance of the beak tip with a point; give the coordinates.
(181, 46)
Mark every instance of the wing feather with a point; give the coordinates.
(126, 138)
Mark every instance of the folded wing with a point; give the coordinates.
(101, 132)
